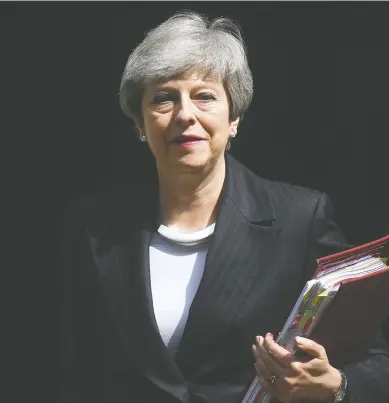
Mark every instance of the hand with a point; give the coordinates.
(295, 378)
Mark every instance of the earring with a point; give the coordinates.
(142, 137)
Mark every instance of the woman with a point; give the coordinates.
(167, 286)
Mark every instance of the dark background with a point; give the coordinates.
(319, 117)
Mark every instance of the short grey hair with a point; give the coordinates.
(188, 42)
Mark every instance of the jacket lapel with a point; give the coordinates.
(241, 250)
(122, 259)
(243, 244)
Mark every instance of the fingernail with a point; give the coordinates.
(299, 340)
(269, 335)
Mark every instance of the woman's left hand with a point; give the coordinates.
(288, 378)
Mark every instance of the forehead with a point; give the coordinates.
(189, 80)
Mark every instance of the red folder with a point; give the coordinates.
(359, 308)
(355, 314)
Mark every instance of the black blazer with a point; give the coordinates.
(267, 237)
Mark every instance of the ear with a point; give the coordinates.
(139, 125)
(234, 124)
(139, 129)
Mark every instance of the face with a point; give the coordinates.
(186, 122)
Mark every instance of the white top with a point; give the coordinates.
(176, 267)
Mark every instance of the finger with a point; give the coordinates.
(254, 349)
(260, 365)
(268, 387)
(262, 381)
(312, 348)
(280, 354)
(271, 364)
(261, 351)
(262, 369)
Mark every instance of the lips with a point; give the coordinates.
(187, 139)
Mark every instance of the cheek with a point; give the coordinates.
(156, 126)
(217, 121)
(222, 121)
(220, 128)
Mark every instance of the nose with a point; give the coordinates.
(185, 113)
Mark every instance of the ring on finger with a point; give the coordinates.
(273, 379)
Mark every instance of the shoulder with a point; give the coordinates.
(292, 195)
(286, 199)
(305, 216)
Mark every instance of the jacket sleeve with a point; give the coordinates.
(367, 378)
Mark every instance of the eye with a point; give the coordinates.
(205, 96)
(162, 98)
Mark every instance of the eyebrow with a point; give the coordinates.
(196, 87)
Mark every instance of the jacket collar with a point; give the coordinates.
(248, 192)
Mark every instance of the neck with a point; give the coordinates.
(188, 200)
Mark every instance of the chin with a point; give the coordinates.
(193, 162)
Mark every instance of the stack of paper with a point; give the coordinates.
(345, 287)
